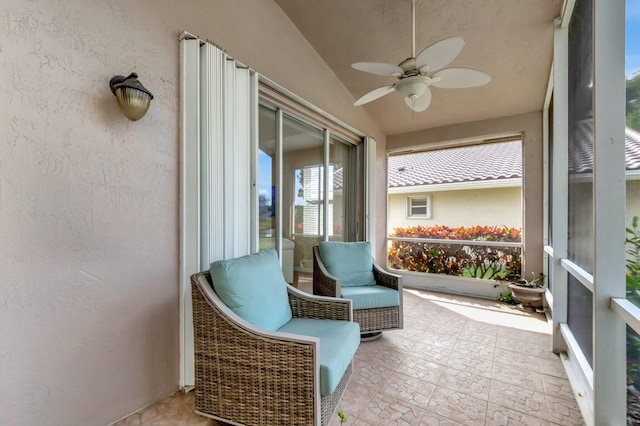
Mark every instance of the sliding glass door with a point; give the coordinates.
(308, 188)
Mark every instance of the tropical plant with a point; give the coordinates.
(537, 281)
(633, 261)
(453, 258)
(633, 294)
(633, 102)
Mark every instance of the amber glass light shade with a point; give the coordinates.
(133, 98)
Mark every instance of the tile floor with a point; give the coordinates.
(458, 361)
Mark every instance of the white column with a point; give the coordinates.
(609, 354)
(559, 220)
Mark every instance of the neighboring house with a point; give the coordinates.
(581, 186)
(473, 185)
(482, 184)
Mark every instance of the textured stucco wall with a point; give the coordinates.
(530, 125)
(468, 207)
(89, 312)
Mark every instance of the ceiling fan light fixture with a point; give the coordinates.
(412, 86)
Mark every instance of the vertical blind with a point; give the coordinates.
(219, 107)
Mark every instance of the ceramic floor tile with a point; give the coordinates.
(396, 342)
(502, 416)
(558, 387)
(452, 365)
(467, 362)
(513, 374)
(385, 409)
(368, 375)
(357, 422)
(552, 367)
(433, 351)
(531, 362)
(457, 406)
(473, 349)
(449, 321)
(480, 327)
(355, 398)
(420, 369)
(478, 337)
(375, 358)
(519, 399)
(465, 382)
(564, 412)
(409, 333)
(444, 339)
(408, 390)
(432, 419)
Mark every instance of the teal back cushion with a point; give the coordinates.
(253, 287)
(351, 263)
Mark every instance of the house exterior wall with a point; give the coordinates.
(89, 201)
(530, 126)
(581, 243)
(633, 198)
(483, 206)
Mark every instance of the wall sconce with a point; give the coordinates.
(133, 98)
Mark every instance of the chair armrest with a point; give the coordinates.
(242, 355)
(386, 278)
(305, 305)
(324, 284)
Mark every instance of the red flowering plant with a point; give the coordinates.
(453, 258)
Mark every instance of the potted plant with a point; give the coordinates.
(528, 293)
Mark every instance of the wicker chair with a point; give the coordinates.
(247, 375)
(372, 321)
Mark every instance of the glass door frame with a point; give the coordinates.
(358, 141)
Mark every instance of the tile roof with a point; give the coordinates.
(632, 149)
(475, 163)
(581, 150)
(496, 161)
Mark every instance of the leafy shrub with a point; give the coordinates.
(633, 294)
(452, 258)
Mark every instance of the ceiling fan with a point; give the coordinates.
(416, 74)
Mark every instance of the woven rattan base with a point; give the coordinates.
(377, 319)
(329, 403)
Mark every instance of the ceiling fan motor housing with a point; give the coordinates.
(412, 87)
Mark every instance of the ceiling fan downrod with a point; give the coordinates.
(413, 28)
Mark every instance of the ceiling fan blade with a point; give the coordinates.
(459, 78)
(374, 94)
(420, 103)
(440, 54)
(379, 68)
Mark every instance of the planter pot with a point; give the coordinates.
(528, 297)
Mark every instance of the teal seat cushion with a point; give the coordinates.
(368, 297)
(253, 287)
(351, 263)
(339, 341)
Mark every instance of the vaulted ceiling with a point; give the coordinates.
(511, 40)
